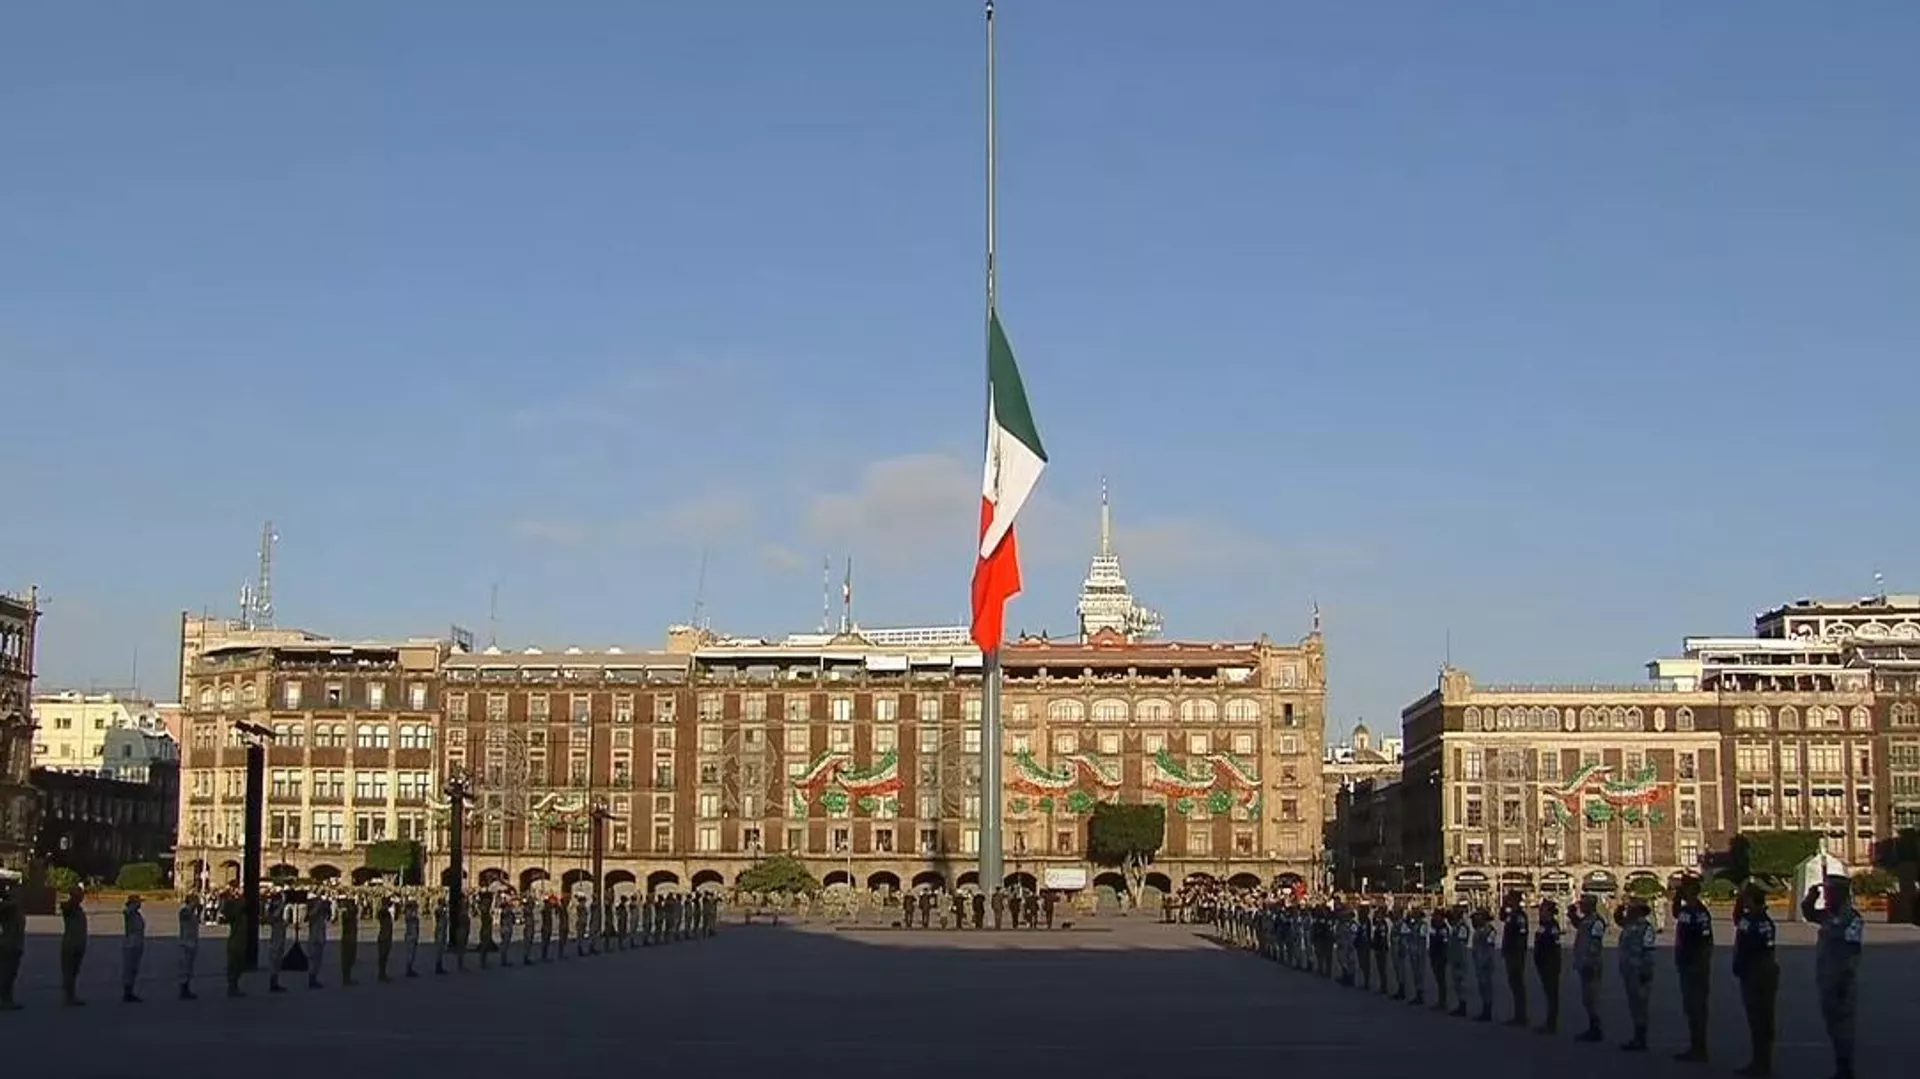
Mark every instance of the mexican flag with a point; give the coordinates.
(1015, 460)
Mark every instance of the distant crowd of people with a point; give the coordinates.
(1402, 948)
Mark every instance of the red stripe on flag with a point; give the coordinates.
(996, 579)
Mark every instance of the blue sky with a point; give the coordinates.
(1561, 330)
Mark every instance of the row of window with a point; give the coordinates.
(1548, 765)
(886, 738)
(294, 735)
(1635, 850)
(1821, 758)
(798, 708)
(1818, 717)
(1603, 718)
(335, 696)
(1470, 811)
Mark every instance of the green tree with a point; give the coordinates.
(1873, 883)
(1769, 857)
(61, 879)
(1126, 837)
(779, 873)
(140, 877)
(1718, 889)
(397, 857)
(1646, 888)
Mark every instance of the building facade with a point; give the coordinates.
(94, 824)
(351, 760)
(71, 729)
(863, 758)
(19, 806)
(1559, 789)
(1357, 778)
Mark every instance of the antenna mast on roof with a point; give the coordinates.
(493, 616)
(260, 616)
(700, 592)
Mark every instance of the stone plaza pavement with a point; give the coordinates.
(1125, 998)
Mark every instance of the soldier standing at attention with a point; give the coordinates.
(383, 939)
(319, 916)
(1380, 938)
(1438, 938)
(999, 908)
(1589, 948)
(410, 933)
(979, 910)
(484, 904)
(238, 933)
(1513, 953)
(1415, 945)
(1363, 946)
(276, 939)
(1693, 958)
(1483, 963)
(349, 938)
(13, 943)
(442, 933)
(1637, 946)
(527, 917)
(1836, 966)
(1459, 942)
(1757, 970)
(73, 945)
(1397, 951)
(189, 934)
(133, 948)
(546, 929)
(1546, 962)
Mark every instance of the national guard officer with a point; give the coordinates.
(1415, 928)
(277, 914)
(1483, 950)
(1546, 962)
(483, 903)
(563, 926)
(319, 915)
(546, 929)
(527, 917)
(1836, 966)
(1758, 971)
(1379, 942)
(1693, 959)
(1459, 943)
(133, 947)
(1589, 948)
(999, 908)
(1397, 950)
(1513, 953)
(189, 936)
(238, 933)
(410, 932)
(442, 932)
(1438, 938)
(73, 945)
(1637, 947)
(349, 938)
(383, 938)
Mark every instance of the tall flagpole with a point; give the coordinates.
(991, 839)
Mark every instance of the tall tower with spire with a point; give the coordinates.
(1106, 603)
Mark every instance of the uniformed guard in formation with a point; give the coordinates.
(73, 945)
(1336, 939)
(133, 947)
(13, 940)
(188, 934)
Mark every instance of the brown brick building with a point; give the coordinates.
(352, 760)
(860, 754)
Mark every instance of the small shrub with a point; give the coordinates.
(140, 877)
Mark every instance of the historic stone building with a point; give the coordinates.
(351, 760)
(19, 806)
(1357, 779)
(1558, 789)
(861, 755)
(94, 823)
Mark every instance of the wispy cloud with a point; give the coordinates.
(919, 508)
(716, 517)
(628, 398)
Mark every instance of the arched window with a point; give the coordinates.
(1110, 710)
(1503, 719)
(1473, 717)
(1243, 710)
(1553, 718)
(226, 696)
(1789, 717)
(1536, 718)
(1683, 719)
(1199, 710)
(1066, 712)
(1153, 711)
(1588, 719)
(248, 693)
(1861, 718)
(1759, 717)
(206, 696)
(1636, 719)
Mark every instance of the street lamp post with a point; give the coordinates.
(459, 791)
(598, 816)
(254, 828)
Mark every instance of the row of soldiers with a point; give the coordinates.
(1394, 950)
(1026, 908)
(552, 923)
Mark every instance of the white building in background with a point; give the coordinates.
(1106, 601)
(72, 731)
